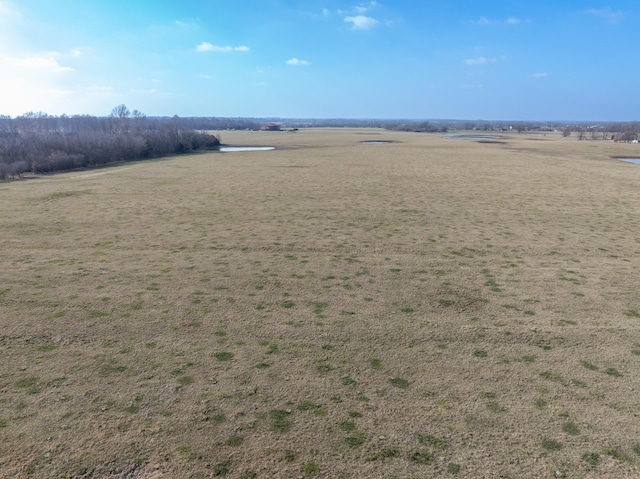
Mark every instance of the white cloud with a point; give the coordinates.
(42, 64)
(362, 22)
(480, 61)
(298, 63)
(608, 14)
(35, 83)
(152, 91)
(209, 47)
(540, 75)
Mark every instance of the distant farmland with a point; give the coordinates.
(427, 307)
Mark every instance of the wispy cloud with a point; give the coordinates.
(611, 16)
(480, 61)
(364, 8)
(362, 22)
(8, 12)
(481, 21)
(208, 47)
(297, 62)
(484, 21)
(540, 75)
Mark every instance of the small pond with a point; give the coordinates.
(630, 160)
(228, 149)
(375, 142)
(482, 138)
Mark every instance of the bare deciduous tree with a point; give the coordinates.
(38, 143)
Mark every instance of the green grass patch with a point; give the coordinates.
(347, 426)
(399, 383)
(551, 376)
(234, 441)
(571, 428)
(618, 455)
(185, 380)
(280, 420)
(109, 369)
(385, 453)
(348, 381)
(433, 441)
(588, 365)
(223, 356)
(222, 468)
(31, 385)
(421, 457)
(540, 403)
(495, 407)
(591, 458)
(308, 406)
(47, 347)
(311, 468)
(356, 440)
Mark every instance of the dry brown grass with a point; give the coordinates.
(429, 307)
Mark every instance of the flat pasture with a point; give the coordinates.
(427, 307)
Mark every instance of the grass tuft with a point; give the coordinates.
(433, 441)
(591, 458)
(571, 428)
(222, 468)
(356, 440)
(399, 383)
(311, 468)
(280, 420)
(421, 457)
(551, 445)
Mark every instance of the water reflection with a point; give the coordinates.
(227, 149)
(630, 160)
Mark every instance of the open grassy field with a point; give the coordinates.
(425, 308)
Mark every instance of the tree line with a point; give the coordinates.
(40, 143)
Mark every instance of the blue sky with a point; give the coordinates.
(493, 60)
